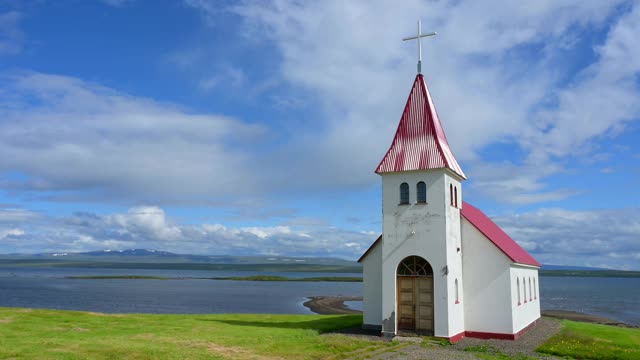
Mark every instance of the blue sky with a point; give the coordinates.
(254, 127)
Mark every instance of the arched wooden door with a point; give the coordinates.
(414, 299)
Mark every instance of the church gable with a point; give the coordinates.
(370, 249)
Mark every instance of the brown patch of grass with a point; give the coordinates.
(79, 329)
(5, 321)
(103, 314)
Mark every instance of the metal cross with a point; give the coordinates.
(419, 37)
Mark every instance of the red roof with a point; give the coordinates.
(497, 236)
(420, 142)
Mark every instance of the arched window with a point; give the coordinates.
(524, 289)
(535, 289)
(421, 190)
(451, 194)
(530, 292)
(455, 195)
(414, 266)
(457, 293)
(518, 283)
(404, 193)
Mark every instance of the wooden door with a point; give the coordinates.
(424, 304)
(406, 303)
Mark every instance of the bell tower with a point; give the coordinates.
(421, 241)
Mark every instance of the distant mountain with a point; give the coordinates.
(160, 256)
(128, 252)
(157, 259)
(570, 268)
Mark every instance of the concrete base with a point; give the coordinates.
(388, 335)
(372, 327)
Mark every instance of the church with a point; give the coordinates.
(441, 267)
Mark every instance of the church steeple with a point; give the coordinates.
(420, 142)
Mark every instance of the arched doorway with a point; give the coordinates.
(415, 295)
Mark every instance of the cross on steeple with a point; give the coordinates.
(419, 37)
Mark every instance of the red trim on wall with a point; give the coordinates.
(455, 338)
(487, 335)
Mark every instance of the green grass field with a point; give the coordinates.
(593, 341)
(52, 334)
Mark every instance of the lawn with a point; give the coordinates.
(593, 341)
(53, 334)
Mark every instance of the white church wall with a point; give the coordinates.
(372, 288)
(419, 229)
(454, 255)
(526, 303)
(487, 295)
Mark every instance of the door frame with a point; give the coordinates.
(417, 267)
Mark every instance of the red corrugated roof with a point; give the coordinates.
(497, 236)
(420, 142)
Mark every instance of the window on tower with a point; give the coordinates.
(455, 196)
(404, 193)
(421, 189)
(451, 194)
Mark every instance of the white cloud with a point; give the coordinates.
(496, 70)
(609, 238)
(227, 76)
(17, 216)
(582, 238)
(149, 227)
(10, 232)
(67, 135)
(489, 75)
(146, 221)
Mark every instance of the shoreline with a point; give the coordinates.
(334, 305)
(331, 305)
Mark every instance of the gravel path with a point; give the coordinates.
(547, 326)
(526, 344)
(414, 348)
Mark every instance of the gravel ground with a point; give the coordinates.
(546, 327)
(412, 348)
(526, 344)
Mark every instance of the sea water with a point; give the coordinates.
(615, 298)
